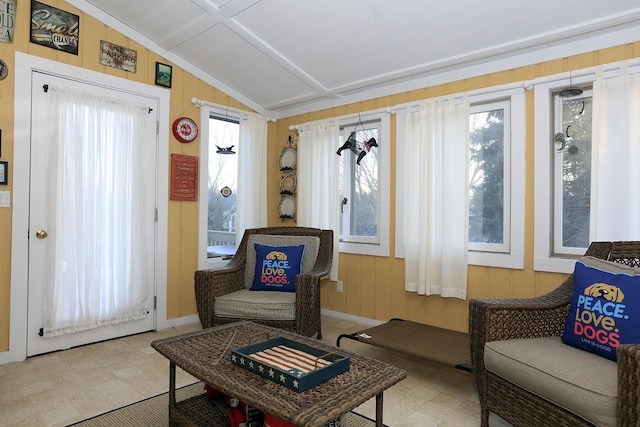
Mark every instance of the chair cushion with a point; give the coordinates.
(276, 267)
(605, 307)
(579, 381)
(262, 305)
(312, 245)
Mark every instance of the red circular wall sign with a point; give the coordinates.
(184, 129)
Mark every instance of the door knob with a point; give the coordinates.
(41, 234)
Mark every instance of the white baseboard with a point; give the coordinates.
(178, 321)
(6, 357)
(351, 318)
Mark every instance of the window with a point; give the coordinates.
(562, 174)
(496, 179)
(489, 177)
(364, 185)
(218, 185)
(572, 173)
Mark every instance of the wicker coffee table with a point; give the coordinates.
(206, 355)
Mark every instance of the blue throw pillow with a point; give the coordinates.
(277, 267)
(605, 307)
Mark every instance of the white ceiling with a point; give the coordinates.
(286, 57)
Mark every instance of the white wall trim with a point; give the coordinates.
(5, 357)
(24, 65)
(351, 318)
(117, 25)
(451, 73)
(179, 321)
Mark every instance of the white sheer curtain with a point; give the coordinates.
(252, 174)
(102, 184)
(615, 170)
(318, 180)
(435, 203)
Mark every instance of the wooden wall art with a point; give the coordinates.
(54, 28)
(7, 20)
(120, 57)
(184, 178)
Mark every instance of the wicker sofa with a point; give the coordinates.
(507, 334)
(226, 287)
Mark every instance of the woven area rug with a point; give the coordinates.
(440, 345)
(154, 412)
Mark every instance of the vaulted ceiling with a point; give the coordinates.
(286, 57)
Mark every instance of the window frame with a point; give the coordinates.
(557, 187)
(514, 258)
(381, 246)
(545, 258)
(206, 112)
(505, 246)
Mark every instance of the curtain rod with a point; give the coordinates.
(345, 116)
(392, 109)
(199, 103)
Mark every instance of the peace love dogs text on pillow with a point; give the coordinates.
(605, 307)
(277, 267)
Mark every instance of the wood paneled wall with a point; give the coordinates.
(182, 216)
(374, 286)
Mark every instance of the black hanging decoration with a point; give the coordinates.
(225, 150)
(570, 91)
(359, 148)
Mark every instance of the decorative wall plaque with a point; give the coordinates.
(7, 20)
(184, 178)
(4, 70)
(288, 160)
(119, 57)
(54, 28)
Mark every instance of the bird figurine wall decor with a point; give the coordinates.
(225, 150)
(359, 148)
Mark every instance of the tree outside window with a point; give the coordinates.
(572, 174)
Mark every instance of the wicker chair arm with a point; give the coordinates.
(210, 284)
(307, 303)
(628, 387)
(503, 319)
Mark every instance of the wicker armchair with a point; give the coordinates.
(212, 284)
(545, 316)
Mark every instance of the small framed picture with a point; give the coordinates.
(163, 74)
(4, 173)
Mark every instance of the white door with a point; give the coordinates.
(92, 214)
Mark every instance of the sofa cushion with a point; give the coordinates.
(264, 305)
(311, 243)
(605, 307)
(276, 267)
(581, 382)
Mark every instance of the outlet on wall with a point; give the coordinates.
(339, 286)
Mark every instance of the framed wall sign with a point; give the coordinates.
(163, 74)
(4, 173)
(120, 57)
(184, 178)
(54, 28)
(7, 20)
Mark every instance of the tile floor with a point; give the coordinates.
(67, 386)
